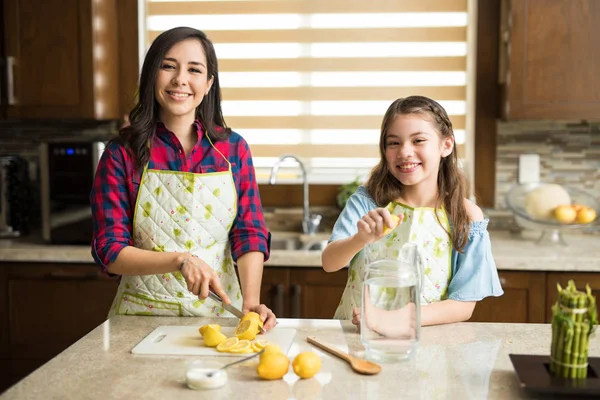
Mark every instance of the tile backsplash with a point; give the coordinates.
(569, 154)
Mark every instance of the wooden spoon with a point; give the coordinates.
(361, 366)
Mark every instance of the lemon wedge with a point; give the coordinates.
(395, 221)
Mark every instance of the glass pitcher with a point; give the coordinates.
(390, 323)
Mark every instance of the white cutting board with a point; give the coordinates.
(185, 340)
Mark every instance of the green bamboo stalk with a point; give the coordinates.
(568, 327)
(576, 357)
(584, 353)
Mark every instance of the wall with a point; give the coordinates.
(569, 154)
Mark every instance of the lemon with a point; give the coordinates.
(252, 316)
(247, 330)
(214, 326)
(271, 348)
(242, 346)
(212, 337)
(227, 344)
(273, 366)
(395, 220)
(306, 364)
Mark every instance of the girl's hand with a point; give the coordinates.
(371, 226)
(199, 277)
(356, 317)
(266, 315)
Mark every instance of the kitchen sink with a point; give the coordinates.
(298, 241)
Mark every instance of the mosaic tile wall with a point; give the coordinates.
(569, 154)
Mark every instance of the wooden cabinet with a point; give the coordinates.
(302, 292)
(549, 66)
(562, 278)
(523, 299)
(61, 59)
(48, 307)
(316, 293)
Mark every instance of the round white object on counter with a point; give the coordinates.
(197, 375)
(541, 201)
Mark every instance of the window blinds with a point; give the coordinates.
(314, 77)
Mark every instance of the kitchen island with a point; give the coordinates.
(466, 360)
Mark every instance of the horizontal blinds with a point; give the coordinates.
(314, 78)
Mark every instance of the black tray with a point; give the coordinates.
(534, 374)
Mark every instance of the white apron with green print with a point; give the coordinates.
(419, 226)
(185, 212)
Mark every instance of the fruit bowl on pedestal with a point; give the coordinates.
(551, 209)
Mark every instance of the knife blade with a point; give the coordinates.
(228, 307)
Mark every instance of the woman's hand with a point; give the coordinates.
(266, 315)
(371, 226)
(199, 277)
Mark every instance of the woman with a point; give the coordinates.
(175, 200)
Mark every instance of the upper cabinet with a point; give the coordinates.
(61, 59)
(550, 63)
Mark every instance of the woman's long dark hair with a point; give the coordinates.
(144, 116)
(452, 185)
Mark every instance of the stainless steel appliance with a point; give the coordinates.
(67, 171)
(15, 196)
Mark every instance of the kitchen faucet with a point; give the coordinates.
(309, 224)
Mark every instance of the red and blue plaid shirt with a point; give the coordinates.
(116, 186)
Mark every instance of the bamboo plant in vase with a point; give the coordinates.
(574, 319)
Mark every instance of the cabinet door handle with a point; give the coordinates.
(68, 275)
(502, 281)
(278, 300)
(10, 80)
(296, 301)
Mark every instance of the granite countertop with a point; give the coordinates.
(464, 360)
(512, 252)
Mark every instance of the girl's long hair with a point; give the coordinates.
(452, 185)
(144, 116)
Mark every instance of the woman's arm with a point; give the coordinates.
(250, 269)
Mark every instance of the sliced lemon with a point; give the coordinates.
(259, 345)
(252, 316)
(227, 344)
(247, 330)
(212, 337)
(202, 329)
(242, 346)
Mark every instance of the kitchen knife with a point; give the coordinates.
(229, 307)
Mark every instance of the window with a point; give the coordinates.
(314, 77)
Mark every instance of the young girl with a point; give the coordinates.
(175, 200)
(417, 179)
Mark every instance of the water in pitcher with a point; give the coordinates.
(390, 310)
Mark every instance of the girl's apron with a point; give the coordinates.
(181, 212)
(421, 227)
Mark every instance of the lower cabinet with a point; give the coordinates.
(46, 308)
(300, 292)
(523, 299)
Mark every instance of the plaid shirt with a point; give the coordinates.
(116, 186)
